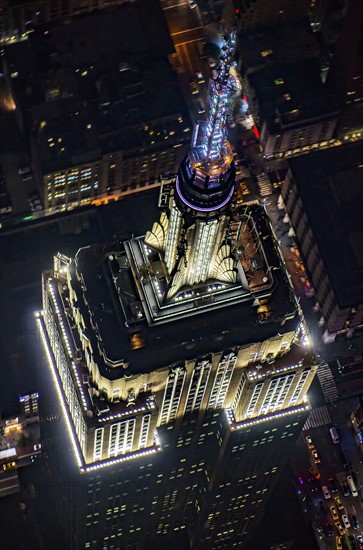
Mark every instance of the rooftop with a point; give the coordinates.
(285, 43)
(289, 95)
(331, 181)
(118, 312)
(93, 85)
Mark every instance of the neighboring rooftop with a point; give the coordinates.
(97, 84)
(130, 111)
(331, 181)
(289, 95)
(278, 44)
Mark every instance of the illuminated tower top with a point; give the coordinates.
(215, 131)
(192, 233)
(205, 182)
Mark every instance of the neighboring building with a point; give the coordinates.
(111, 175)
(292, 118)
(180, 362)
(330, 181)
(253, 14)
(19, 443)
(18, 20)
(281, 44)
(345, 76)
(98, 119)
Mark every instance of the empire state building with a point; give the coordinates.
(180, 363)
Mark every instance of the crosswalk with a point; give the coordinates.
(317, 417)
(327, 383)
(264, 185)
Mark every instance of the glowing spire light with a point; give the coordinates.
(219, 91)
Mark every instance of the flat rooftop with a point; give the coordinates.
(100, 83)
(292, 94)
(330, 184)
(202, 331)
(130, 111)
(285, 43)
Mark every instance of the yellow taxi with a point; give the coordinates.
(339, 543)
(316, 456)
(340, 528)
(334, 512)
(313, 471)
(339, 503)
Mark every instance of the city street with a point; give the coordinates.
(330, 464)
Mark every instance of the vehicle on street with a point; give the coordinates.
(244, 188)
(346, 521)
(314, 472)
(200, 77)
(326, 492)
(345, 488)
(334, 435)
(360, 541)
(352, 486)
(194, 88)
(309, 441)
(338, 543)
(200, 108)
(333, 485)
(340, 528)
(354, 521)
(329, 530)
(334, 512)
(339, 503)
(316, 456)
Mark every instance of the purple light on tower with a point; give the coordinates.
(206, 177)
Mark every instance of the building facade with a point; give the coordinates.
(330, 251)
(18, 20)
(20, 443)
(291, 119)
(109, 178)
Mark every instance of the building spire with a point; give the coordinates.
(206, 178)
(215, 131)
(192, 231)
